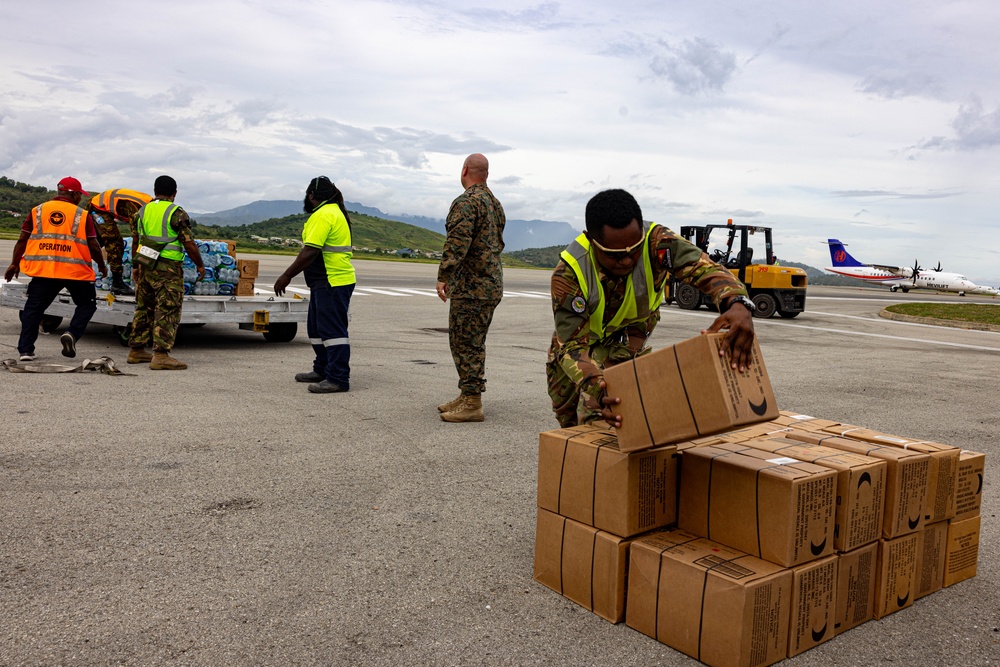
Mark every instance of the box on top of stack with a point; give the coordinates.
(816, 527)
(685, 391)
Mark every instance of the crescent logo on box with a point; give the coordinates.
(980, 489)
(865, 477)
(759, 410)
(902, 601)
(913, 523)
(817, 549)
(819, 634)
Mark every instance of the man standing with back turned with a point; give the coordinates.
(470, 275)
(161, 232)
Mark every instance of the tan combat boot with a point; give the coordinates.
(450, 405)
(139, 355)
(162, 361)
(469, 409)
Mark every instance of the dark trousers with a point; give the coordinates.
(326, 325)
(41, 293)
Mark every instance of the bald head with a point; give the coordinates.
(476, 169)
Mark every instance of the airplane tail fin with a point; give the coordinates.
(839, 254)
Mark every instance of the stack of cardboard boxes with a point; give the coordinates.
(248, 269)
(737, 534)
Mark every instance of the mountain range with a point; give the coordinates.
(518, 234)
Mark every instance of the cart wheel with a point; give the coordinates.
(281, 332)
(123, 333)
(50, 323)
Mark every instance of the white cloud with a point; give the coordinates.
(880, 122)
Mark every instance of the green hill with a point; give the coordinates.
(369, 232)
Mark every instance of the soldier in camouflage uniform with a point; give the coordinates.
(109, 208)
(615, 257)
(470, 275)
(164, 228)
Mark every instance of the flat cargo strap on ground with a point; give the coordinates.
(105, 365)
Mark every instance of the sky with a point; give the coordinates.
(877, 123)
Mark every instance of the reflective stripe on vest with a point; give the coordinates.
(51, 254)
(155, 227)
(108, 200)
(639, 300)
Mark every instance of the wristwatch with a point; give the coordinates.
(745, 301)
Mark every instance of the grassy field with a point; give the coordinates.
(965, 312)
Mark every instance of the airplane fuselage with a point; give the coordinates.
(939, 281)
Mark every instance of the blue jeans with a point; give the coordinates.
(41, 293)
(326, 326)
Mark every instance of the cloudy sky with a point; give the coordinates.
(874, 122)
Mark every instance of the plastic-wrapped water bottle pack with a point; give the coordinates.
(221, 274)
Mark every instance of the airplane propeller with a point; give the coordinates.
(916, 271)
(938, 267)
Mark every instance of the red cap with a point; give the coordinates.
(70, 184)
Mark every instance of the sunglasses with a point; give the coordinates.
(619, 254)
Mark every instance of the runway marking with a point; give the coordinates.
(907, 324)
(775, 323)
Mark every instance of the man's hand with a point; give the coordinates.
(738, 342)
(281, 283)
(104, 271)
(13, 271)
(607, 414)
(442, 290)
(201, 272)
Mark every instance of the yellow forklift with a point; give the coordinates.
(747, 252)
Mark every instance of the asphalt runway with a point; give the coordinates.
(225, 516)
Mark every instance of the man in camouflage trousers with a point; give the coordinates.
(470, 275)
(596, 326)
(161, 231)
(109, 208)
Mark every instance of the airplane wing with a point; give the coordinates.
(894, 269)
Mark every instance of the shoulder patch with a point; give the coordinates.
(578, 304)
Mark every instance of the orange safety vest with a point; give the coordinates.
(109, 200)
(57, 247)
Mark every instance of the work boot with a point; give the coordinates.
(69, 344)
(139, 355)
(469, 409)
(311, 376)
(162, 361)
(326, 387)
(118, 286)
(450, 405)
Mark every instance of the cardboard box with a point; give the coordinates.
(685, 391)
(804, 422)
(860, 509)
(248, 268)
(856, 582)
(584, 476)
(969, 491)
(962, 556)
(586, 565)
(245, 287)
(906, 479)
(774, 507)
(942, 475)
(715, 604)
(897, 574)
(814, 609)
(931, 557)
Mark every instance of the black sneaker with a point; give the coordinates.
(311, 376)
(28, 356)
(326, 387)
(69, 344)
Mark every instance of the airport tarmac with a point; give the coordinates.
(223, 515)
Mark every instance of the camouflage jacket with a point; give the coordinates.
(671, 255)
(470, 263)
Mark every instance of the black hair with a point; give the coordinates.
(611, 208)
(164, 186)
(322, 189)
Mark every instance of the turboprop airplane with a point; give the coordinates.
(902, 278)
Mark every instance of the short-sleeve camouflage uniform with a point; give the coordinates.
(575, 366)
